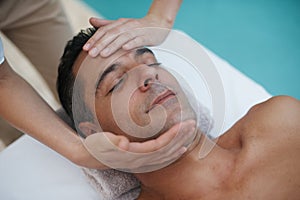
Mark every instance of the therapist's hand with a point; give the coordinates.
(125, 33)
(117, 152)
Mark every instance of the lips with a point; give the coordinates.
(165, 96)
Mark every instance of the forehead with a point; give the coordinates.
(88, 64)
(88, 69)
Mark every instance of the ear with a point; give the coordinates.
(87, 128)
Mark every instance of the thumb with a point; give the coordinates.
(105, 142)
(97, 22)
(98, 143)
(99, 146)
(118, 140)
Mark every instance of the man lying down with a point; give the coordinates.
(257, 158)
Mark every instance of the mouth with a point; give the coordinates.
(162, 98)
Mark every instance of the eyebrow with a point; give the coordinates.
(113, 67)
(142, 51)
(108, 70)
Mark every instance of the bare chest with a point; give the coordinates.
(267, 170)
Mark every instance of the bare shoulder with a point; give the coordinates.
(270, 153)
(271, 126)
(283, 106)
(279, 114)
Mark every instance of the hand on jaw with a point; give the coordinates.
(117, 152)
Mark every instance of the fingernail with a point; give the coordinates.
(87, 46)
(93, 52)
(105, 52)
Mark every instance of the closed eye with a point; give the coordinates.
(116, 85)
(154, 64)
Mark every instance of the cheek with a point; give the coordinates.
(103, 113)
(137, 109)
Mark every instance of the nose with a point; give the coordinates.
(148, 76)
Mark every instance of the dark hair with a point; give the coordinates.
(66, 77)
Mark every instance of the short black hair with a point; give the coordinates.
(66, 77)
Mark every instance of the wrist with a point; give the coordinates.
(164, 12)
(163, 21)
(81, 157)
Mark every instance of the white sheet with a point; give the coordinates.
(31, 171)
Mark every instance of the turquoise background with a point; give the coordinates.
(261, 38)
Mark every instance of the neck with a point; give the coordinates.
(190, 175)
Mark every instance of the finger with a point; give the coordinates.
(123, 143)
(135, 42)
(161, 141)
(152, 145)
(174, 150)
(174, 156)
(165, 155)
(146, 164)
(117, 140)
(117, 43)
(181, 142)
(185, 127)
(111, 36)
(99, 34)
(97, 22)
(148, 37)
(105, 141)
(184, 137)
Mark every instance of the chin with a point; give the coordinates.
(176, 113)
(172, 119)
(176, 116)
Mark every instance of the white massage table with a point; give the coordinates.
(31, 171)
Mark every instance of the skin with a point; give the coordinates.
(130, 79)
(136, 70)
(132, 33)
(258, 158)
(87, 71)
(54, 133)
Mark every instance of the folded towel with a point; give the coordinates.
(116, 185)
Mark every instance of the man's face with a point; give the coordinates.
(134, 95)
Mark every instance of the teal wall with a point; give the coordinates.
(259, 37)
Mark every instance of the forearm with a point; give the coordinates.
(24, 108)
(165, 10)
